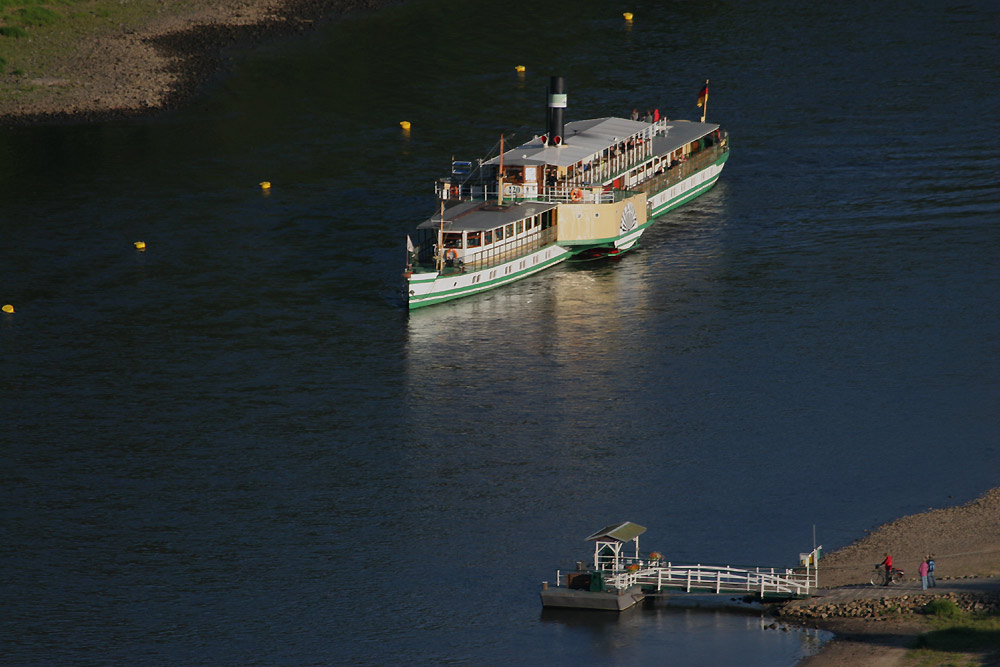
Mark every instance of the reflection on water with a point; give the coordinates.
(652, 631)
(583, 308)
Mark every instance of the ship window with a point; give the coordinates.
(499, 231)
(452, 240)
(488, 237)
(520, 226)
(510, 230)
(473, 240)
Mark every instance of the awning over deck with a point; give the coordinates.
(476, 216)
(623, 532)
(586, 140)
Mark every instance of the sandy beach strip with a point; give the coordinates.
(965, 541)
(154, 60)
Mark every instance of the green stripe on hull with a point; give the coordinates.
(691, 194)
(459, 292)
(684, 198)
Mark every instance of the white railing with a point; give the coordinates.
(565, 194)
(562, 193)
(657, 575)
(716, 579)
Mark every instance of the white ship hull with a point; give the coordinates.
(426, 289)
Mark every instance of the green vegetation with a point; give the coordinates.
(57, 28)
(35, 15)
(19, 16)
(959, 638)
(943, 609)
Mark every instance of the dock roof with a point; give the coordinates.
(623, 532)
(587, 139)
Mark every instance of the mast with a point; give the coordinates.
(500, 179)
(440, 253)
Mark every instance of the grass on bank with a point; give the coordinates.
(960, 639)
(36, 35)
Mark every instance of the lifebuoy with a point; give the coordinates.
(576, 194)
(454, 191)
(451, 253)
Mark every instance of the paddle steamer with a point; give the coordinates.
(584, 189)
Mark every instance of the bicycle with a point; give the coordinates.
(878, 576)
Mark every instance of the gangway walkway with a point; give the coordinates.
(617, 581)
(769, 583)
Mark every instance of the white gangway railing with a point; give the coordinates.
(716, 579)
(655, 575)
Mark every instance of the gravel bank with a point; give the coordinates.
(159, 64)
(965, 541)
(875, 627)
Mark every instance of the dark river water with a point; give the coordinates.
(237, 447)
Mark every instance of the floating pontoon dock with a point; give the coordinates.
(617, 582)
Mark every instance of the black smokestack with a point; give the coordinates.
(557, 104)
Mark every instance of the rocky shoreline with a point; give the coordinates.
(159, 64)
(891, 608)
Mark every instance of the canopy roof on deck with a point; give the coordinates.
(473, 216)
(586, 140)
(623, 532)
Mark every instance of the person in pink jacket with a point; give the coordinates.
(922, 571)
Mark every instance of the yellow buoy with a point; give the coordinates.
(265, 185)
(628, 16)
(519, 68)
(405, 124)
(140, 245)
(8, 308)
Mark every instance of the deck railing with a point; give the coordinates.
(681, 170)
(495, 255)
(715, 579)
(519, 248)
(572, 192)
(561, 193)
(659, 575)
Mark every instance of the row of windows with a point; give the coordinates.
(485, 238)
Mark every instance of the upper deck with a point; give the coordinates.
(600, 160)
(589, 141)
